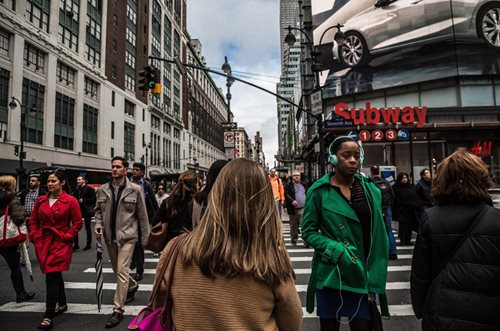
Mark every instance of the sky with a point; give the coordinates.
(247, 32)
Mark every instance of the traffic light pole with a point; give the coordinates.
(183, 71)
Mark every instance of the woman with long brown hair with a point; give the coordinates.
(233, 270)
(456, 261)
(176, 210)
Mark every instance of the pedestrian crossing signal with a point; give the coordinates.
(16, 150)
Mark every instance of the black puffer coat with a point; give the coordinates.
(466, 295)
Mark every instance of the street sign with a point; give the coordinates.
(229, 139)
(337, 123)
(353, 134)
(230, 153)
(316, 103)
(229, 125)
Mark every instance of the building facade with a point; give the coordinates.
(73, 66)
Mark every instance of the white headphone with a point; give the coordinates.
(332, 157)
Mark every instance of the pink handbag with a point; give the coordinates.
(159, 319)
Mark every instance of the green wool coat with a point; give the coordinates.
(333, 229)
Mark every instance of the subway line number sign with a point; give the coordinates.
(378, 135)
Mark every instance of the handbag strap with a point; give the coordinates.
(170, 260)
(466, 236)
(5, 221)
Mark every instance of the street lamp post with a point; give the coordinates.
(147, 147)
(226, 68)
(313, 65)
(22, 154)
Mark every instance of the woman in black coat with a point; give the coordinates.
(405, 208)
(456, 263)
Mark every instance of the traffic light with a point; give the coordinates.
(16, 150)
(157, 80)
(146, 79)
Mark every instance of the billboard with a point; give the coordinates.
(399, 42)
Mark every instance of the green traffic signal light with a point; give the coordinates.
(147, 78)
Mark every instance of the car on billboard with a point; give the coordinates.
(388, 25)
(495, 196)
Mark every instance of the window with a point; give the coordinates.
(34, 97)
(130, 59)
(112, 152)
(129, 141)
(4, 95)
(90, 115)
(68, 23)
(93, 27)
(91, 88)
(129, 108)
(37, 12)
(130, 35)
(34, 58)
(65, 121)
(113, 71)
(131, 14)
(11, 4)
(113, 45)
(155, 122)
(65, 74)
(93, 55)
(112, 130)
(113, 98)
(129, 83)
(4, 43)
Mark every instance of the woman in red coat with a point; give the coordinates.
(54, 223)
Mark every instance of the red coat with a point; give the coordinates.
(53, 229)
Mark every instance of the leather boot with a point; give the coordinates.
(22, 295)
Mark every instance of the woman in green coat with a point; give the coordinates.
(343, 222)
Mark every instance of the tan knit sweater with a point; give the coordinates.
(220, 304)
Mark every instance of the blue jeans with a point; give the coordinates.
(390, 234)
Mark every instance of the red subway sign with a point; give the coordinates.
(388, 115)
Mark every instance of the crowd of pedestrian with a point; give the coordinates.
(227, 235)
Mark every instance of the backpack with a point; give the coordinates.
(386, 190)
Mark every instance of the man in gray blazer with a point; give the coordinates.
(120, 215)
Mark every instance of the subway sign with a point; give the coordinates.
(388, 115)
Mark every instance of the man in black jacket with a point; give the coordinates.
(148, 193)
(423, 189)
(295, 196)
(86, 198)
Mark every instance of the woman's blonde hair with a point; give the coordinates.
(8, 183)
(461, 178)
(240, 232)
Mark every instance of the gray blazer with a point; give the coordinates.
(130, 214)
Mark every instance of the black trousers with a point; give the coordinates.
(56, 294)
(138, 258)
(88, 229)
(12, 256)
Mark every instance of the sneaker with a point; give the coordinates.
(25, 296)
(393, 257)
(137, 277)
(114, 320)
(76, 248)
(86, 248)
(294, 242)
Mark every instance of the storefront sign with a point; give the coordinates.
(389, 115)
(482, 148)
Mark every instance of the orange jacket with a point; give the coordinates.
(278, 191)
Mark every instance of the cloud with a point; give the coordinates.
(247, 32)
